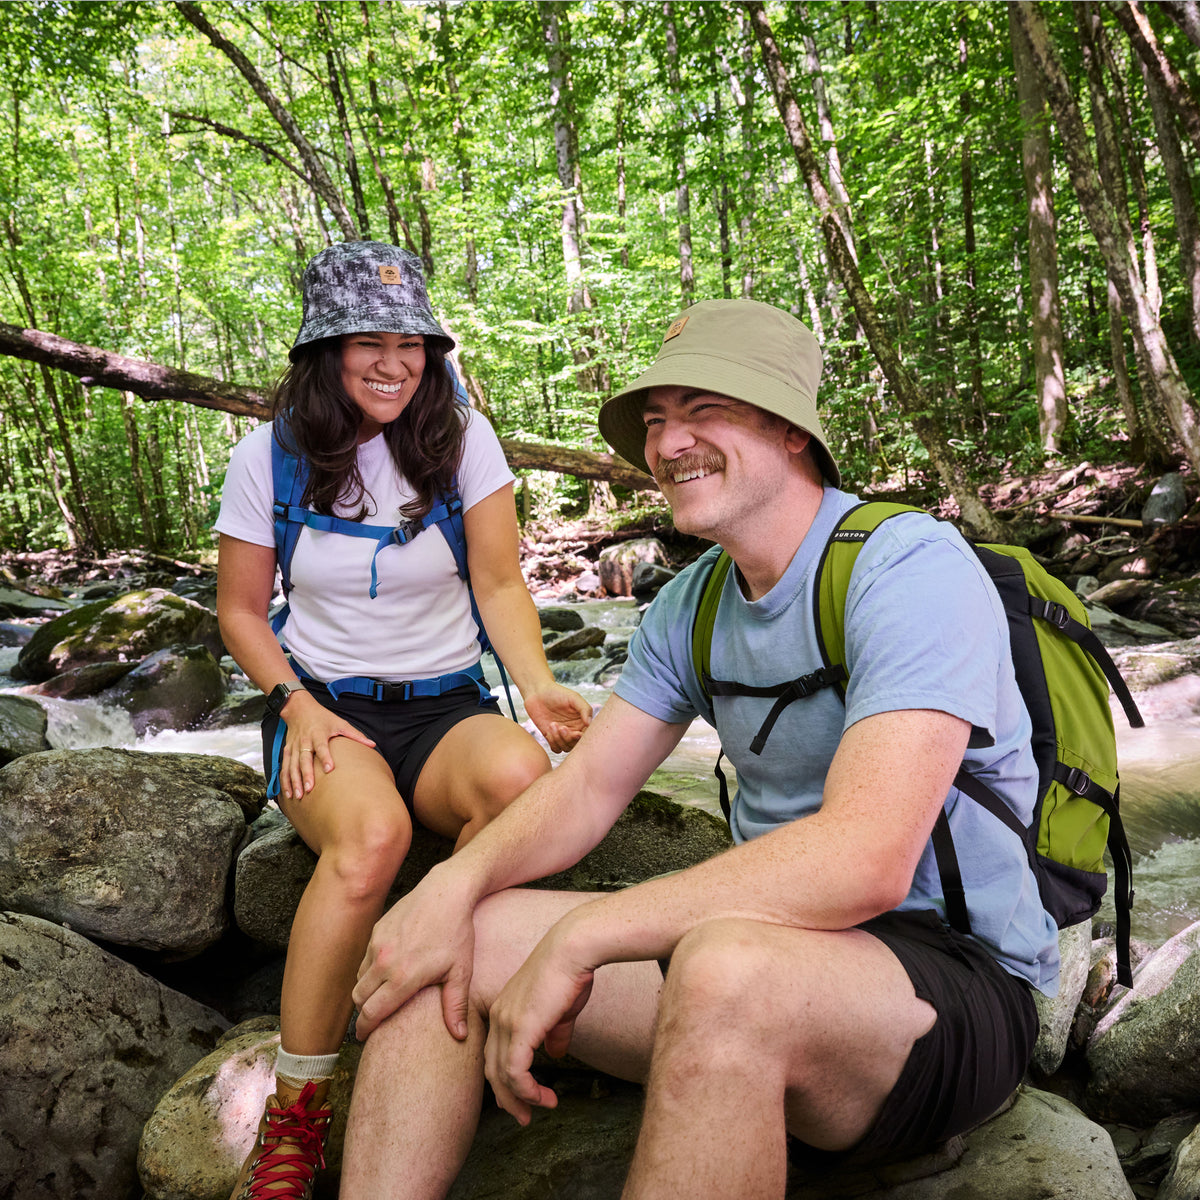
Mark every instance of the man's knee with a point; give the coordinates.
(720, 982)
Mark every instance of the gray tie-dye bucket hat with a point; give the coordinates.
(365, 287)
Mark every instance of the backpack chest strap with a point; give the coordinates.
(784, 693)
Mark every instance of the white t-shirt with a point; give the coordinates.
(420, 624)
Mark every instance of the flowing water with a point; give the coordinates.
(1160, 769)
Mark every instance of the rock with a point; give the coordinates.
(1041, 1146)
(87, 1043)
(22, 728)
(1057, 1015)
(1151, 1158)
(1151, 667)
(648, 578)
(588, 584)
(579, 1150)
(1183, 1179)
(1167, 501)
(581, 639)
(1143, 564)
(83, 681)
(203, 590)
(654, 835)
(560, 619)
(122, 630)
(238, 708)
(1084, 585)
(1144, 1056)
(201, 1131)
(14, 634)
(1115, 630)
(124, 846)
(173, 688)
(617, 563)
(17, 603)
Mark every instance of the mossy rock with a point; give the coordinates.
(125, 629)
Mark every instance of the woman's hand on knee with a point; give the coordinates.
(310, 729)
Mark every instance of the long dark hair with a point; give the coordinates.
(316, 415)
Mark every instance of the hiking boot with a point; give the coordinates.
(288, 1151)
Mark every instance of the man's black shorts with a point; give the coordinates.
(405, 732)
(967, 1065)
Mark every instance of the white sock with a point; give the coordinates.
(294, 1069)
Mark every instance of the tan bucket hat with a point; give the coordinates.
(741, 348)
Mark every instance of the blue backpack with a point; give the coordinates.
(289, 477)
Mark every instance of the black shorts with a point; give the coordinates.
(405, 732)
(966, 1066)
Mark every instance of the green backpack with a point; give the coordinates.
(1064, 674)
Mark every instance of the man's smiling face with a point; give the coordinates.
(717, 460)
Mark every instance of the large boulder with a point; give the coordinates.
(22, 728)
(1041, 1146)
(87, 1044)
(14, 602)
(1144, 1056)
(1055, 1016)
(123, 846)
(571, 643)
(202, 1129)
(617, 563)
(173, 688)
(654, 835)
(125, 629)
(1183, 1179)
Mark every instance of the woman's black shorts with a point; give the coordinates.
(405, 732)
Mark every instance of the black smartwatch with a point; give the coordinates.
(280, 694)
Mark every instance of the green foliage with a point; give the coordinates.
(155, 207)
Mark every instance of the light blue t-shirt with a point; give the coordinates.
(924, 630)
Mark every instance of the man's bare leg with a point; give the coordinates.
(417, 1095)
(763, 1029)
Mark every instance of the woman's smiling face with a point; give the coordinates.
(380, 372)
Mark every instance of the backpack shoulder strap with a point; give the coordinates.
(289, 475)
(833, 576)
(706, 618)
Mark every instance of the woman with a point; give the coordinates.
(368, 409)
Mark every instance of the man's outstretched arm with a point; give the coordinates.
(427, 937)
(852, 860)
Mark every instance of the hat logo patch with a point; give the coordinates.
(389, 274)
(676, 328)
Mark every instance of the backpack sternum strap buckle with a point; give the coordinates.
(403, 534)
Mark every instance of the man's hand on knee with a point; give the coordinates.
(426, 938)
(538, 1005)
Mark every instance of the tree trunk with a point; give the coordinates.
(970, 289)
(1050, 379)
(151, 381)
(1155, 359)
(1183, 199)
(1185, 14)
(1137, 26)
(910, 396)
(683, 197)
(361, 220)
(317, 177)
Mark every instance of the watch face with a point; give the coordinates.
(279, 697)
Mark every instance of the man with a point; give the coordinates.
(815, 1002)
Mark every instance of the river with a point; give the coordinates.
(1160, 771)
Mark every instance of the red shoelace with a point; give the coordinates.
(287, 1167)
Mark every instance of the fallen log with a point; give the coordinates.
(1090, 519)
(152, 381)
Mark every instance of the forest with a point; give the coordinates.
(987, 213)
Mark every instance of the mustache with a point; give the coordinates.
(665, 470)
